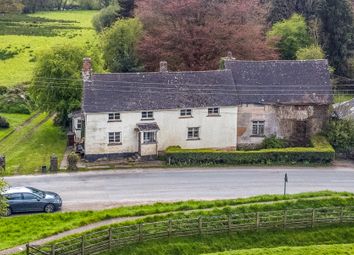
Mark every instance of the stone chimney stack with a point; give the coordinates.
(163, 66)
(229, 56)
(87, 69)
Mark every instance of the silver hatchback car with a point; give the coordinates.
(28, 199)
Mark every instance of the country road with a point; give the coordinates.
(105, 189)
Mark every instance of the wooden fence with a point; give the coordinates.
(118, 237)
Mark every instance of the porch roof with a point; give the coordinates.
(147, 126)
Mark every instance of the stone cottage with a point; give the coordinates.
(124, 114)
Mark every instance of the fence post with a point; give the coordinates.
(313, 218)
(83, 245)
(169, 228)
(140, 226)
(285, 219)
(200, 225)
(257, 220)
(52, 252)
(27, 248)
(110, 239)
(229, 222)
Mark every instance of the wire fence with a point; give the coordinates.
(119, 237)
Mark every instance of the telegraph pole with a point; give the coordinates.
(285, 182)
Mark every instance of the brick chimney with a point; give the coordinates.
(87, 69)
(163, 66)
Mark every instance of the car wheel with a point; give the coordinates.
(49, 208)
(8, 211)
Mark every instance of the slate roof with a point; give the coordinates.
(262, 82)
(147, 126)
(344, 110)
(159, 90)
(282, 82)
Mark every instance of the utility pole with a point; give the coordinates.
(285, 181)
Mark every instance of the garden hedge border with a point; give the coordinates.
(321, 152)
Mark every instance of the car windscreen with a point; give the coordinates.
(37, 192)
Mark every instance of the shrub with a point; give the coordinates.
(272, 142)
(72, 161)
(340, 133)
(321, 152)
(105, 18)
(3, 90)
(4, 123)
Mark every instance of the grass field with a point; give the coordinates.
(22, 37)
(18, 230)
(15, 120)
(32, 145)
(336, 249)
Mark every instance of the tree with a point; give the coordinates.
(11, 6)
(105, 18)
(340, 134)
(290, 35)
(195, 34)
(3, 201)
(337, 32)
(310, 52)
(119, 45)
(57, 85)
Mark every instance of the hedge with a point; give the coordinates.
(319, 152)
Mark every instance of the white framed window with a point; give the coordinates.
(186, 113)
(258, 128)
(193, 133)
(213, 111)
(114, 137)
(114, 116)
(147, 115)
(79, 124)
(149, 137)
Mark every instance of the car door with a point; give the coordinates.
(31, 202)
(15, 202)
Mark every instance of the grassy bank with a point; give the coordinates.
(26, 228)
(15, 120)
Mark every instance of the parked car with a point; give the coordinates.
(28, 199)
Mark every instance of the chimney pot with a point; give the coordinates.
(87, 69)
(163, 66)
(229, 55)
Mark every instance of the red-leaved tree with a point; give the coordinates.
(195, 34)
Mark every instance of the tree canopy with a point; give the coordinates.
(290, 36)
(11, 6)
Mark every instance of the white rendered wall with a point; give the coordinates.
(215, 132)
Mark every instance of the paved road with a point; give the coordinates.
(96, 190)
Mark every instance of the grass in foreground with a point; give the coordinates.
(241, 242)
(32, 146)
(15, 120)
(18, 230)
(339, 249)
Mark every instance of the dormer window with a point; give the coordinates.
(115, 116)
(186, 113)
(147, 115)
(214, 111)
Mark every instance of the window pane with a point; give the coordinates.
(14, 197)
(144, 115)
(189, 111)
(27, 196)
(150, 114)
(110, 116)
(117, 116)
(210, 110)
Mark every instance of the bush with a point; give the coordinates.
(273, 142)
(16, 100)
(321, 152)
(72, 161)
(340, 133)
(4, 123)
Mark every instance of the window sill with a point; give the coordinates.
(77, 128)
(185, 117)
(114, 120)
(213, 115)
(260, 136)
(193, 139)
(147, 119)
(148, 143)
(114, 144)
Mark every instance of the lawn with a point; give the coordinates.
(15, 120)
(339, 249)
(26, 228)
(30, 147)
(22, 37)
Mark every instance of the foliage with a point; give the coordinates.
(57, 85)
(273, 142)
(337, 32)
(11, 6)
(15, 120)
(16, 100)
(105, 18)
(321, 152)
(3, 202)
(72, 161)
(89, 4)
(290, 36)
(195, 34)
(340, 133)
(4, 123)
(119, 43)
(310, 52)
(19, 230)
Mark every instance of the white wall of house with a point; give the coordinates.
(76, 127)
(215, 131)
